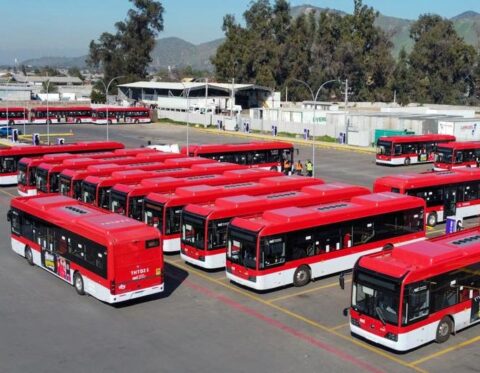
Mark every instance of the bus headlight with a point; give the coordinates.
(354, 322)
(392, 337)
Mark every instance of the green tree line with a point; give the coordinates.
(275, 50)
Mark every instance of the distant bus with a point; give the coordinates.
(9, 157)
(204, 226)
(13, 115)
(96, 190)
(447, 193)
(294, 245)
(61, 114)
(268, 154)
(164, 210)
(418, 293)
(128, 199)
(118, 115)
(457, 155)
(113, 259)
(409, 149)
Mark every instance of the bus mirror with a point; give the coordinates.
(9, 215)
(341, 281)
(345, 312)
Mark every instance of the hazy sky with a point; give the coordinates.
(34, 28)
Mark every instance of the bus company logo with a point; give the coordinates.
(122, 286)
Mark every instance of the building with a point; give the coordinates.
(192, 95)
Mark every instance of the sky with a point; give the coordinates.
(35, 28)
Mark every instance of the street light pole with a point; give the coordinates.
(48, 113)
(8, 122)
(314, 98)
(106, 100)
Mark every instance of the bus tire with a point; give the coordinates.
(49, 121)
(273, 168)
(387, 247)
(109, 121)
(136, 121)
(444, 329)
(29, 255)
(407, 161)
(11, 122)
(432, 219)
(302, 276)
(78, 283)
(78, 121)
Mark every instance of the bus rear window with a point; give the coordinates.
(152, 243)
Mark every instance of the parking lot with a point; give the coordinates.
(202, 322)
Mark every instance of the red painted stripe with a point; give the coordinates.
(279, 325)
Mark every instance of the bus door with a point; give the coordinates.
(450, 201)
(475, 306)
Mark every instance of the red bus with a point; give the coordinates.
(121, 115)
(70, 181)
(27, 167)
(96, 190)
(48, 174)
(10, 116)
(409, 149)
(61, 114)
(457, 155)
(265, 154)
(164, 210)
(113, 259)
(297, 244)
(418, 293)
(9, 157)
(447, 193)
(128, 199)
(204, 227)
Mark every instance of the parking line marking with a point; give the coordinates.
(446, 350)
(305, 320)
(8, 193)
(305, 291)
(339, 326)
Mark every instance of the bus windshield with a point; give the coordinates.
(88, 192)
(77, 189)
(193, 230)
(217, 233)
(241, 247)
(53, 179)
(22, 173)
(64, 184)
(376, 297)
(172, 223)
(153, 215)
(118, 202)
(444, 155)
(7, 165)
(104, 197)
(384, 147)
(42, 177)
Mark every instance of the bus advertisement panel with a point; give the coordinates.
(418, 293)
(164, 210)
(204, 226)
(111, 258)
(296, 244)
(447, 193)
(9, 157)
(409, 149)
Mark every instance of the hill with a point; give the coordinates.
(177, 52)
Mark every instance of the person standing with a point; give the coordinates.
(309, 167)
(298, 167)
(287, 166)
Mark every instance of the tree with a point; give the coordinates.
(441, 62)
(75, 71)
(401, 81)
(49, 87)
(127, 52)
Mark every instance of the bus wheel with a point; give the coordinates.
(29, 255)
(136, 121)
(11, 122)
(444, 329)
(49, 121)
(78, 283)
(302, 276)
(78, 121)
(432, 219)
(407, 161)
(109, 121)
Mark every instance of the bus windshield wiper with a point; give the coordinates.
(379, 312)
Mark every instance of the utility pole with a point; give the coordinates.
(346, 104)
